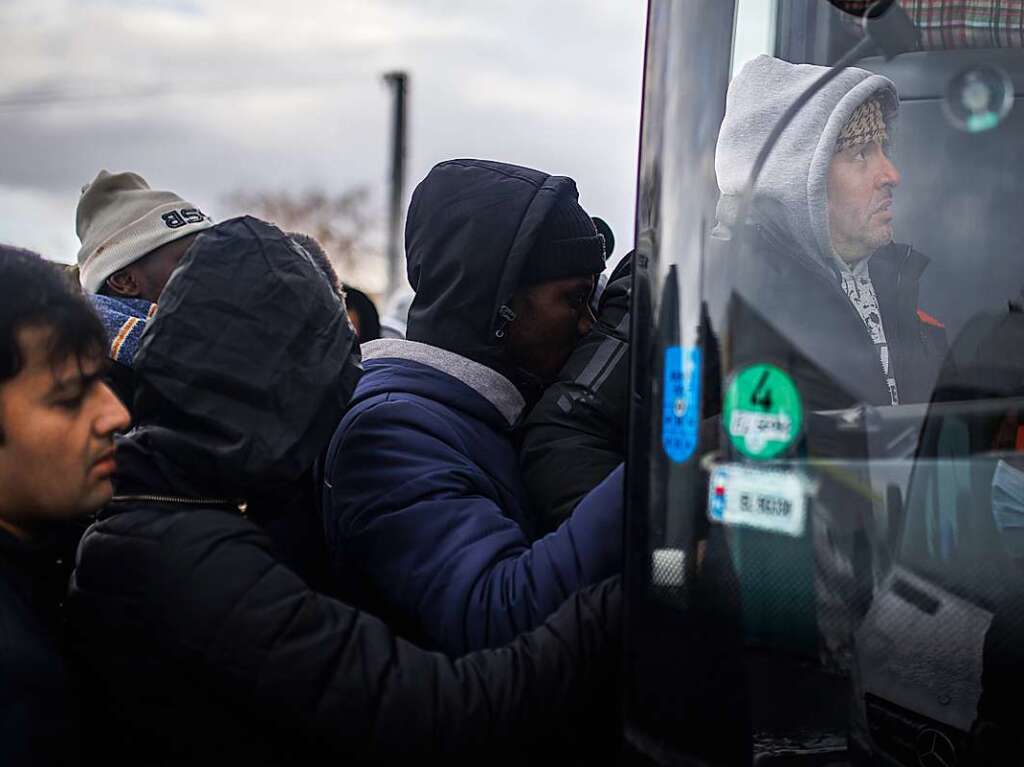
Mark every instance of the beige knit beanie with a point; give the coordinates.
(866, 124)
(120, 219)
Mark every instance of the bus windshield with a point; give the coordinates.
(835, 438)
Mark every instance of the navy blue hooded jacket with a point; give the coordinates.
(423, 501)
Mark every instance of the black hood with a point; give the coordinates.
(245, 370)
(470, 227)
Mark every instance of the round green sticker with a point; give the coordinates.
(762, 411)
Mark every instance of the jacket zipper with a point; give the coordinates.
(507, 316)
(853, 312)
(242, 506)
(899, 282)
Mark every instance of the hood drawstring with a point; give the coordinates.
(507, 316)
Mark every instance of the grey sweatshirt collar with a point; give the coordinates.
(490, 385)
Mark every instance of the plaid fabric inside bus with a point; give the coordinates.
(948, 24)
(955, 24)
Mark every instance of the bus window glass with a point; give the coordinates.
(754, 31)
(857, 486)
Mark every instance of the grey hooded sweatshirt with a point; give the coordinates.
(794, 181)
(791, 195)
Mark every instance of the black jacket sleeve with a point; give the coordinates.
(575, 436)
(217, 602)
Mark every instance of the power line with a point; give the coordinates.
(55, 97)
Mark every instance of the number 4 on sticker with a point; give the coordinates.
(761, 397)
(761, 411)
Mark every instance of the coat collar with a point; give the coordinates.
(893, 258)
(489, 384)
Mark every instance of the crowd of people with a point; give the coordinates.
(300, 546)
(242, 518)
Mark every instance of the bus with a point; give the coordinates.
(825, 470)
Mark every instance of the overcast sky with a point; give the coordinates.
(206, 97)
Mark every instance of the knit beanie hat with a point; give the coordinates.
(866, 124)
(567, 245)
(120, 219)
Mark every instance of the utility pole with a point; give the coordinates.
(398, 82)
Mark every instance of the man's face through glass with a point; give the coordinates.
(550, 318)
(861, 180)
(57, 423)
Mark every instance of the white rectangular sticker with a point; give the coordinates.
(768, 500)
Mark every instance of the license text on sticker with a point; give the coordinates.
(760, 428)
(775, 501)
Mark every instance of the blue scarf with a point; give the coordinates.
(124, 319)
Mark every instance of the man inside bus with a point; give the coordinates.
(817, 260)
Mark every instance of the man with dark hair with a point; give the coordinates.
(57, 422)
(423, 500)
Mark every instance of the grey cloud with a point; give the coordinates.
(206, 98)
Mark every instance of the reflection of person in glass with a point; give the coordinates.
(1008, 506)
(822, 266)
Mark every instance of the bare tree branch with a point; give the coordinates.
(343, 224)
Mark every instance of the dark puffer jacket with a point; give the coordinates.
(38, 707)
(792, 311)
(197, 643)
(423, 501)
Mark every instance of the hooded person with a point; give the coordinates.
(817, 241)
(502, 260)
(198, 641)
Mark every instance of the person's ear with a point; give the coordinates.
(124, 282)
